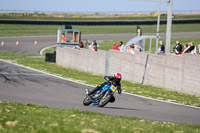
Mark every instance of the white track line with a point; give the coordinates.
(41, 51)
(29, 36)
(94, 86)
(21, 74)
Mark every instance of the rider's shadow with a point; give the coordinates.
(120, 108)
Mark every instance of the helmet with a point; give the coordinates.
(117, 76)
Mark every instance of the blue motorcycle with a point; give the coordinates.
(101, 97)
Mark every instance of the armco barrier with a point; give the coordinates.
(177, 73)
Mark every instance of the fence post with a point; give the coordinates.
(169, 25)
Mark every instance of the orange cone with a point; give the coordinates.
(17, 43)
(35, 43)
(2, 43)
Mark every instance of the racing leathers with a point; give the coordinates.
(109, 80)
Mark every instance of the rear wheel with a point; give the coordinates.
(104, 101)
(87, 101)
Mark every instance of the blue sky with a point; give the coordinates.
(96, 5)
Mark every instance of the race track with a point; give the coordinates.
(19, 84)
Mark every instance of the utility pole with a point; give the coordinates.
(169, 24)
(158, 26)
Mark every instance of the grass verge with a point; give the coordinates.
(88, 78)
(18, 118)
(8, 30)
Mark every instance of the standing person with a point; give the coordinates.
(63, 38)
(122, 47)
(115, 46)
(95, 45)
(161, 50)
(177, 48)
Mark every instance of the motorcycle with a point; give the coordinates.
(100, 97)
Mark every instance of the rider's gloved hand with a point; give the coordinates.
(107, 82)
(106, 78)
(99, 86)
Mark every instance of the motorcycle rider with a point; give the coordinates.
(115, 80)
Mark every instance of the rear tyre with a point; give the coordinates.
(104, 101)
(87, 101)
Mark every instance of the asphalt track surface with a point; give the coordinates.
(23, 85)
(19, 84)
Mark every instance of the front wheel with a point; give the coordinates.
(104, 101)
(87, 101)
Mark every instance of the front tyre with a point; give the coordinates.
(104, 101)
(87, 101)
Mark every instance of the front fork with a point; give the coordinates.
(105, 95)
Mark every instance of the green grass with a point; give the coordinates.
(88, 78)
(20, 118)
(7, 30)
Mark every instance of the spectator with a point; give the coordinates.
(130, 49)
(186, 47)
(193, 48)
(81, 45)
(199, 48)
(122, 47)
(177, 48)
(132, 45)
(190, 49)
(161, 50)
(136, 47)
(95, 45)
(90, 46)
(115, 46)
